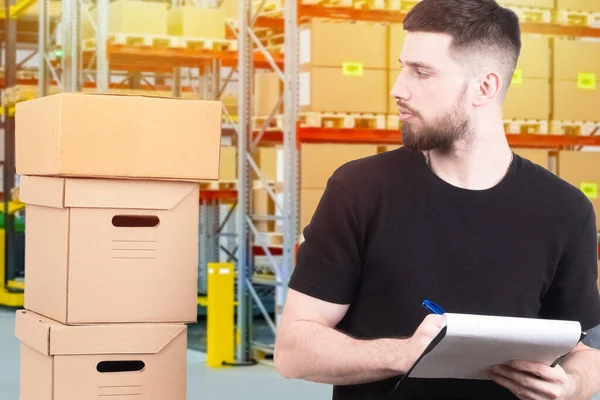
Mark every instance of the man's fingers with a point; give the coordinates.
(529, 383)
(523, 393)
(543, 371)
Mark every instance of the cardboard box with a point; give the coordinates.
(571, 103)
(396, 36)
(579, 5)
(228, 170)
(528, 3)
(333, 43)
(534, 61)
(267, 89)
(141, 361)
(324, 89)
(319, 161)
(263, 205)
(231, 9)
(536, 156)
(576, 60)
(90, 135)
(309, 200)
(528, 99)
(582, 170)
(266, 160)
(111, 251)
(194, 21)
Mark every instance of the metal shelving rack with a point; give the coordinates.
(77, 64)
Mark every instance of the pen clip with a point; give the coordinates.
(434, 308)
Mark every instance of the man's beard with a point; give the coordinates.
(440, 134)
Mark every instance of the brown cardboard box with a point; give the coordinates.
(330, 90)
(332, 43)
(529, 99)
(267, 89)
(309, 200)
(534, 61)
(194, 21)
(536, 156)
(141, 361)
(582, 170)
(528, 3)
(579, 5)
(90, 135)
(574, 104)
(228, 170)
(111, 251)
(396, 36)
(266, 160)
(319, 161)
(263, 205)
(575, 57)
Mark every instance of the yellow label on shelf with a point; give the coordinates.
(352, 69)
(590, 189)
(586, 80)
(518, 77)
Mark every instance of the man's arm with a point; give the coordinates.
(584, 366)
(309, 347)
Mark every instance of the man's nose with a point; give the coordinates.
(399, 90)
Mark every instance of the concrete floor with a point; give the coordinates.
(255, 382)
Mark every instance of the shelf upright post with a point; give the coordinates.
(43, 33)
(244, 130)
(176, 73)
(71, 45)
(290, 151)
(102, 67)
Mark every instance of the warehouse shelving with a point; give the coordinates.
(78, 64)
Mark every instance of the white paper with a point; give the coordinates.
(304, 88)
(475, 343)
(304, 46)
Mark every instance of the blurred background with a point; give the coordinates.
(305, 88)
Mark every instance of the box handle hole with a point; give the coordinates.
(120, 366)
(135, 221)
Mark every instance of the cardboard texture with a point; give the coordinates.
(267, 89)
(59, 362)
(573, 57)
(228, 170)
(90, 135)
(319, 161)
(534, 60)
(579, 5)
(135, 17)
(230, 7)
(263, 205)
(111, 251)
(309, 200)
(582, 170)
(326, 44)
(324, 89)
(540, 157)
(570, 103)
(529, 99)
(528, 3)
(396, 36)
(194, 21)
(266, 159)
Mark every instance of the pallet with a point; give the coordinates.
(165, 41)
(218, 185)
(342, 120)
(275, 124)
(393, 122)
(530, 126)
(533, 15)
(578, 18)
(575, 128)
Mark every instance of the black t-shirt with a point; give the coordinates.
(389, 233)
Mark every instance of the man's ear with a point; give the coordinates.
(490, 85)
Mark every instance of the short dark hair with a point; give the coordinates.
(474, 25)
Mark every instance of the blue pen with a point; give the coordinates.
(434, 308)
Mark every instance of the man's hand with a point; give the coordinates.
(418, 342)
(534, 381)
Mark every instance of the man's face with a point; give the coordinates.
(431, 93)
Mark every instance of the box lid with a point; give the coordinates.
(53, 338)
(103, 193)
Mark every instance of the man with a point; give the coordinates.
(454, 216)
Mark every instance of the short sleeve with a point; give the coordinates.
(573, 294)
(328, 263)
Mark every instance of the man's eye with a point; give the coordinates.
(421, 74)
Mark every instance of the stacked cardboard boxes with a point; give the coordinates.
(582, 170)
(337, 77)
(111, 191)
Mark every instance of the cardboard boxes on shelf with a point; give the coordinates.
(194, 21)
(582, 170)
(528, 3)
(579, 5)
(111, 190)
(90, 135)
(59, 362)
(333, 73)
